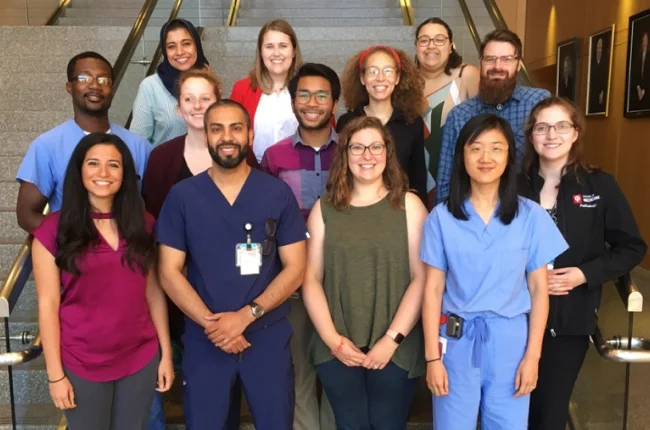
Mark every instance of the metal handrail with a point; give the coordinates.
(615, 349)
(500, 23)
(54, 18)
(157, 54)
(407, 12)
(132, 41)
(22, 266)
(18, 274)
(629, 293)
(470, 24)
(27, 354)
(233, 13)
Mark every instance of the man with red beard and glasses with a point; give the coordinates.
(498, 94)
(242, 236)
(303, 162)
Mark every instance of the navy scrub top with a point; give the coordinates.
(197, 219)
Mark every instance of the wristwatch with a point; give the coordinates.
(395, 335)
(256, 310)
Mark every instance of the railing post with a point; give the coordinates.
(10, 377)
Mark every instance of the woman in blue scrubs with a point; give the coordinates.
(486, 293)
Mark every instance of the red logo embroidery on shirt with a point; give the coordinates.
(577, 199)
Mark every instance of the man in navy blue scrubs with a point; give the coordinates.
(242, 236)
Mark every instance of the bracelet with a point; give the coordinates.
(338, 348)
(58, 380)
(433, 360)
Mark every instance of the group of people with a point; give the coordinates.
(257, 243)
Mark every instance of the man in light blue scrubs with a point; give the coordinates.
(486, 292)
(41, 172)
(242, 236)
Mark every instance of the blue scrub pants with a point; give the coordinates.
(265, 370)
(482, 366)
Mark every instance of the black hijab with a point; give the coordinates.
(169, 74)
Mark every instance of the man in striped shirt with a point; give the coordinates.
(303, 162)
(498, 94)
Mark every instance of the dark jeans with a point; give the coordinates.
(365, 399)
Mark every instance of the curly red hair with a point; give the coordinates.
(407, 95)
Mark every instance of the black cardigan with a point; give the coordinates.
(409, 146)
(604, 242)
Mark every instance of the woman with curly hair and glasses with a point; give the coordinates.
(364, 282)
(384, 83)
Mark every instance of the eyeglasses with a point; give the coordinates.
(304, 96)
(373, 72)
(358, 149)
(438, 40)
(270, 229)
(103, 81)
(505, 59)
(562, 127)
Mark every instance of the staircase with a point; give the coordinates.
(34, 100)
(124, 12)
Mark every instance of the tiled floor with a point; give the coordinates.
(599, 394)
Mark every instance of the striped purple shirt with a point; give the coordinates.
(302, 167)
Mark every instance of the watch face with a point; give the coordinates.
(258, 311)
(399, 337)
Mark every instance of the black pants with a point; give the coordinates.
(562, 357)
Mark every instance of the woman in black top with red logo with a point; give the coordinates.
(604, 241)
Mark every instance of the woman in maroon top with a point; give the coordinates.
(186, 155)
(102, 313)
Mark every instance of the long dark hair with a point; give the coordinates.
(77, 232)
(459, 183)
(455, 59)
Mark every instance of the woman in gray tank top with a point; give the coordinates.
(364, 283)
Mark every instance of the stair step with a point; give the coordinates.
(329, 22)
(313, 13)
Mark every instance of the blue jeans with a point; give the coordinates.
(365, 399)
(157, 413)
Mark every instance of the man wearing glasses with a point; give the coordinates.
(498, 94)
(303, 162)
(41, 172)
(242, 237)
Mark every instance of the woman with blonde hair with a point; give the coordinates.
(383, 82)
(364, 282)
(264, 92)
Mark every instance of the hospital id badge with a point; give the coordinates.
(248, 258)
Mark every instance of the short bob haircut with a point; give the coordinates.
(341, 182)
(319, 70)
(259, 76)
(460, 184)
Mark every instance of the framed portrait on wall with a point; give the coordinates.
(601, 47)
(567, 69)
(637, 76)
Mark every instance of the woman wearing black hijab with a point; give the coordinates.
(154, 110)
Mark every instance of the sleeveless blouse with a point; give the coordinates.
(366, 274)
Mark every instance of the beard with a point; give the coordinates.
(230, 161)
(325, 122)
(496, 91)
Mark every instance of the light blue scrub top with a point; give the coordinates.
(486, 265)
(47, 158)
